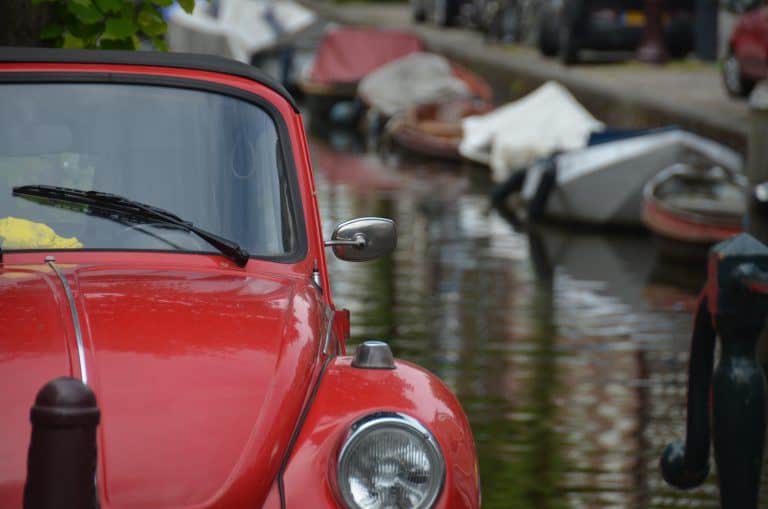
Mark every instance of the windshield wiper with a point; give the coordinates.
(122, 206)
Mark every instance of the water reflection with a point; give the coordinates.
(568, 351)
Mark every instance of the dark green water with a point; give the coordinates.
(567, 350)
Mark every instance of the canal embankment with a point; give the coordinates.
(621, 93)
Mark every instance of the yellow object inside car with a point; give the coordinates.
(24, 234)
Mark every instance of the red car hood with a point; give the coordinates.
(200, 376)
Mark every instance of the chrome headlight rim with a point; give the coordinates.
(370, 422)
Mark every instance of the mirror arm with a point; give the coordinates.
(359, 241)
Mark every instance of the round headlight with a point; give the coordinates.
(390, 461)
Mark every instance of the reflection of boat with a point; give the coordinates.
(434, 129)
(603, 183)
(694, 206)
(354, 170)
(614, 265)
(348, 54)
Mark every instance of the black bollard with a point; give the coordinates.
(735, 305)
(61, 465)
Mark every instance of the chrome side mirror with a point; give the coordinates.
(363, 239)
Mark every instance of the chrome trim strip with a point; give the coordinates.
(75, 320)
(328, 332)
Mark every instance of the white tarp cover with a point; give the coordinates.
(418, 78)
(241, 29)
(515, 135)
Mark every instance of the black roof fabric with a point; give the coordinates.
(152, 58)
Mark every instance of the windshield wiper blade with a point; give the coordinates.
(125, 206)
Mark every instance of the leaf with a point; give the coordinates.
(85, 11)
(119, 28)
(109, 6)
(150, 21)
(187, 5)
(126, 43)
(160, 43)
(70, 41)
(51, 32)
(84, 31)
(162, 3)
(36, 2)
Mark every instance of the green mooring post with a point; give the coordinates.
(733, 306)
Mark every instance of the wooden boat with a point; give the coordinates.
(423, 98)
(690, 208)
(434, 129)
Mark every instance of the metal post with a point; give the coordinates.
(735, 305)
(61, 466)
(653, 50)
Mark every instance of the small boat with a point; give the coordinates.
(603, 183)
(694, 207)
(423, 98)
(420, 78)
(434, 129)
(279, 36)
(515, 135)
(348, 54)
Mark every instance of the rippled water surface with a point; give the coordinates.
(568, 350)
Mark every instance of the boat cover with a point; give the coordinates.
(417, 78)
(346, 55)
(238, 28)
(546, 120)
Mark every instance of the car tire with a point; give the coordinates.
(735, 82)
(568, 45)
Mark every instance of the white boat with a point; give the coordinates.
(248, 31)
(515, 135)
(417, 78)
(603, 183)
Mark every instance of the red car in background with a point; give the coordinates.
(163, 275)
(746, 62)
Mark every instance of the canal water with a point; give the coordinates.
(567, 349)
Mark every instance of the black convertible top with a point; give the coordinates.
(152, 58)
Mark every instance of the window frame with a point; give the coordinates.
(295, 204)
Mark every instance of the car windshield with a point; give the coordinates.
(210, 159)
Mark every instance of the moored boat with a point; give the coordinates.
(420, 78)
(603, 183)
(348, 54)
(434, 129)
(278, 36)
(690, 208)
(423, 99)
(515, 135)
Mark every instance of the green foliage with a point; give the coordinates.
(107, 24)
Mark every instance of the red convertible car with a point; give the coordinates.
(746, 62)
(167, 321)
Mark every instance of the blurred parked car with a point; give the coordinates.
(506, 20)
(568, 26)
(746, 60)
